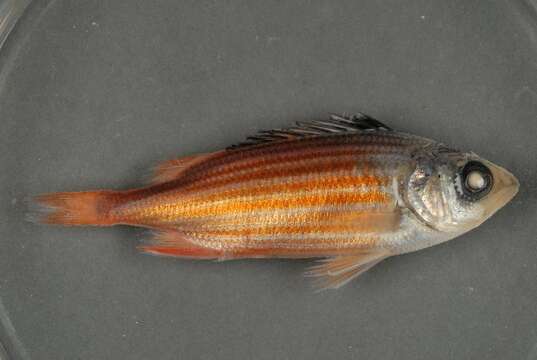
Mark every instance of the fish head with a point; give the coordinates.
(454, 192)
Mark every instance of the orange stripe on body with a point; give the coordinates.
(286, 185)
(275, 202)
(299, 216)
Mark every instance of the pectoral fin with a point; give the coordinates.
(334, 272)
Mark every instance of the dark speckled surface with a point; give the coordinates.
(92, 94)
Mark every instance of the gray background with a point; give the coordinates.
(92, 94)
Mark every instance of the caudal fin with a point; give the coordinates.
(73, 208)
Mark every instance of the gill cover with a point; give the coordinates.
(424, 195)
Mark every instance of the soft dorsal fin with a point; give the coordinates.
(333, 125)
(171, 169)
(334, 272)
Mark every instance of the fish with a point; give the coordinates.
(348, 191)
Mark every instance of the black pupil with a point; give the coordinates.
(475, 168)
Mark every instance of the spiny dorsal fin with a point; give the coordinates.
(335, 124)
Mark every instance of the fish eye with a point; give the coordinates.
(476, 180)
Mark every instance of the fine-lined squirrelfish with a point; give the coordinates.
(348, 189)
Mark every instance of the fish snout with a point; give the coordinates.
(505, 187)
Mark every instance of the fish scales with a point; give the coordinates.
(290, 190)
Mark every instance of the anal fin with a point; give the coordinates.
(177, 244)
(336, 271)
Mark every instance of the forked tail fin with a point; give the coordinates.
(73, 208)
